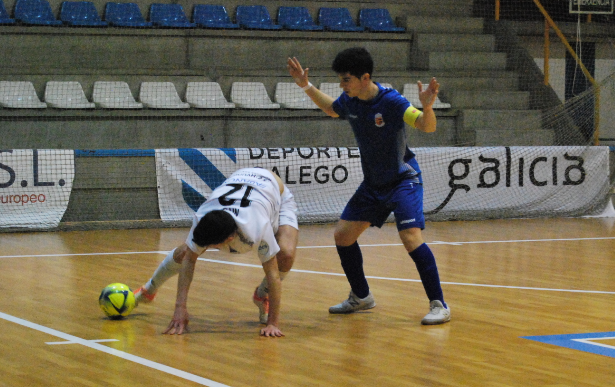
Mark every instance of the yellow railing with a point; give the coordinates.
(549, 23)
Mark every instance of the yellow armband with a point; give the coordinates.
(411, 115)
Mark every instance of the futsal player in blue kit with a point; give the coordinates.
(392, 177)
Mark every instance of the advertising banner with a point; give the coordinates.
(35, 186)
(461, 183)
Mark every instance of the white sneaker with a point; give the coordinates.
(353, 304)
(438, 314)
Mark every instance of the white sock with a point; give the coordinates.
(167, 269)
(263, 288)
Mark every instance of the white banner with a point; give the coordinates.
(518, 181)
(321, 179)
(459, 182)
(35, 187)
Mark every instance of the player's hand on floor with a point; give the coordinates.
(271, 331)
(179, 323)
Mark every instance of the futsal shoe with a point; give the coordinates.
(438, 314)
(263, 306)
(353, 304)
(142, 296)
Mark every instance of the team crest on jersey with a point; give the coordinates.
(263, 249)
(379, 120)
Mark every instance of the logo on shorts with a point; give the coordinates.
(379, 120)
(407, 221)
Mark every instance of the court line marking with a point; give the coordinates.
(114, 352)
(592, 342)
(326, 247)
(73, 342)
(417, 280)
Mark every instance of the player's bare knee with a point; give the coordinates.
(178, 253)
(286, 259)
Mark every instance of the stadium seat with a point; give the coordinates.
(251, 95)
(212, 16)
(161, 95)
(297, 18)
(80, 14)
(114, 95)
(290, 96)
(4, 16)
(66, 95)
(169, 16)
(35, 12)
(331, 89)
(411, 93)
(19, 95)
(337, 19)
(207, 95)
(125, 15)
(378, 20)
(254, 17)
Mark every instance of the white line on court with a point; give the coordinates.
(114, 352)
(591, 341)
(326, 247)
(418, 280)
(371, 277)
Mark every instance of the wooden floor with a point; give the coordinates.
(505, 280)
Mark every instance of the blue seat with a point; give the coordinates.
(4, 16)
(125, 15)
(378, 20)
(35, 12)
(80, 13)
(297, 18)
(337, 19)
(212, 16)
(255, 17)
(169, 16)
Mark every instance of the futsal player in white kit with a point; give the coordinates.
(251, 210)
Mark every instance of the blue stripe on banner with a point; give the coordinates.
(231, 153)
(586, 342)
(202, 167)
(192, 197)
(115, 152)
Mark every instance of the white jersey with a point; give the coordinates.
(252, 197)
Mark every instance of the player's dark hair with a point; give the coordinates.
(354, 61)
(214, 228)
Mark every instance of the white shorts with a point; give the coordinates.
(288, 210)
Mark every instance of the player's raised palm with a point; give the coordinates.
(429, 95)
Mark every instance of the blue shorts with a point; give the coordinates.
(372, 205)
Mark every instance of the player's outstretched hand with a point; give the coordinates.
(179, 324)
(300, 76)
(429, 95)
(271, 331)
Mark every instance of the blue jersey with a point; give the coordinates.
(379, 128)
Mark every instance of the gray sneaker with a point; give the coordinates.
(353, 304)
(438, 314)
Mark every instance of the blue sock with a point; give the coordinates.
(428, 271)
(352, 263)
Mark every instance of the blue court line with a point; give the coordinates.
(586, 342)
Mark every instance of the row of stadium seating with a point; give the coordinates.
(164, 95)
(84, 14)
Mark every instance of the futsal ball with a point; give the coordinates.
(116, 301)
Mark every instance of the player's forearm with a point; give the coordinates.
(427, 121)
(275, 301)
(184, 280)
(322, 100)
